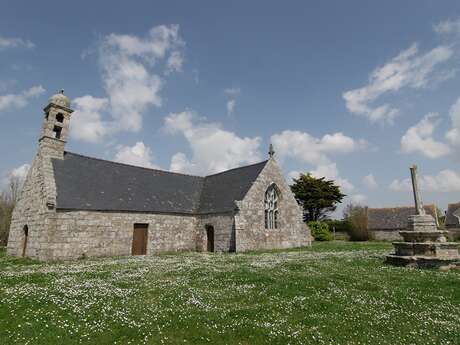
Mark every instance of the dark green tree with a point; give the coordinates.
(317, 196)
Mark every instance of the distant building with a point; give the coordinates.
(453, 216)
(385, 223)
(73, 206)
(453, 220)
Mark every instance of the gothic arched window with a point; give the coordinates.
(271, 207)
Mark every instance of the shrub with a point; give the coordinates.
(320, 231)
(356, 215)
(339, 225)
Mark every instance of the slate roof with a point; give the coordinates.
(394, 218)
(220, 190)
(451, 220)
(85, 183)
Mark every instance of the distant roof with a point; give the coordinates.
(85, 183)
(394, 218)
(453, 212)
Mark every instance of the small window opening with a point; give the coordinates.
(47, 115)
(57, 132)
(60, 118)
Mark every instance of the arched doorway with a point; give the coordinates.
(210, 238)
(25, 230)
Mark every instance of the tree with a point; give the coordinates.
(356, 215)
(317, 196)
(8, 199)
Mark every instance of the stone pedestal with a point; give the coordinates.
(424, 245)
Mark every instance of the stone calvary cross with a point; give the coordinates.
(423, 244)
(417, 198)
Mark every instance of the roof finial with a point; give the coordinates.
(61, 91)
(271, 151)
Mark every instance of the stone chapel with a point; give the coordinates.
(74, 206)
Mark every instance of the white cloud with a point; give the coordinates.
(448, 26)
(175, 61)
(14, 42)
(401, 185)
(294, 174)
(358, 198)
(408, 69)
(180, 163)
(20, 100)
(305, 148)
(131, 76)
(87, 124)
(19, 173)
(308, 149)
(139, 155)
(231, 106)
(213, 148)
(445, 181)
(418, 138)
(370, 182)
(330, 172)
(232, 93)
(453, 135)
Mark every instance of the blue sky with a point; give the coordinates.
(354, 91)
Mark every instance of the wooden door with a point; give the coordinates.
(140, 237)
(210, 237)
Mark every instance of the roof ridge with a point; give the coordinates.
(161, 170)
(237, 168)
(131, 165)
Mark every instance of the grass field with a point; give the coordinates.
(332, 293)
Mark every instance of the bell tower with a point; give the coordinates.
(55, 126)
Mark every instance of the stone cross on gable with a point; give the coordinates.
(271, 151)
(417, 198)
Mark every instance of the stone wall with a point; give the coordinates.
(250, 219)
(454, 234)
(386, 235)
(91, 233)
(31, 211)
(224, 232)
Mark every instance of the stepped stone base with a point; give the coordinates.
(424, 246)
(428, 249)
(422, 261)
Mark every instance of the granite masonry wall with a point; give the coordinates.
(35, 207)
(386, 235)
(224, 232)
(250, 222)
(92, 233)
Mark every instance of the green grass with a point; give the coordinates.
(332, 293)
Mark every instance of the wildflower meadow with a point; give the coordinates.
(332, 293)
